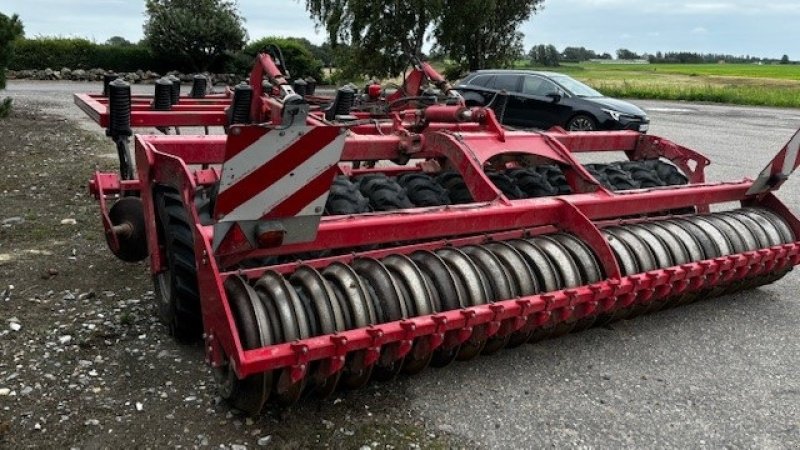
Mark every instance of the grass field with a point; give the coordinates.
(744, 84)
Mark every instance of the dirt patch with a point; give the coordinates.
(83, 361)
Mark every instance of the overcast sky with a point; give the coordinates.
(756, 27)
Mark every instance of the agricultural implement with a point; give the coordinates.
(323, 243)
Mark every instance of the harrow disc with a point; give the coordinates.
(127, 214)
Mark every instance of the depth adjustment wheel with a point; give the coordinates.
(176, 287)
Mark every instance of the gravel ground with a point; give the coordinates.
(85, 364)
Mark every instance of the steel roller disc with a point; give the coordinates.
(329, 315)
(477, 293)
(693, 247)
(722, 242)
(525, 283)
(272, 287)
(752, 226)
(407, 274)
(663, 259)
(499, 280)
(451, 293)
(775, 237)
(546, 274)
(751, 242)
(389, 304)
(645, 259)
(586, 260)
(787, 235)
(570, 277)
(628, 266)
(748, 243)
(589, 267)
(710, 248)
(248, 395)
(624, 255)
(353, 295)
(737, 243)
(677, 249)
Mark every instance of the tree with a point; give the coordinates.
(578, 54)
(479, 34)
(624, 53)
(10, 30)
(300, 60)
(119, 41)
(200, 33)
(545, 55)
(785, 59)
(382, 34)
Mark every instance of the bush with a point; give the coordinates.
(55, 53)
(300, 59)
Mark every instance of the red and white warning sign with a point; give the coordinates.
(277, 179)
(777, 172)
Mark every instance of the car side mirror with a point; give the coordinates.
(555, 97)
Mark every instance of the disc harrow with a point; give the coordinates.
(324, 244)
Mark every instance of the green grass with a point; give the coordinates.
(741, 84)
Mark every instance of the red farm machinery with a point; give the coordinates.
(323, 242)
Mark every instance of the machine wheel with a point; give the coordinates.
(556, 177)
(176, 287)
(620, 179)
(384, 193)
(423, 191)
(506, 185)
(454, 183)
(345, 199)
(582, 122)
(533, 184)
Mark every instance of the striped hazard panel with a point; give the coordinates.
(778, 171)
(276, 179)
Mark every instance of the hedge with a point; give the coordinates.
(55, 53)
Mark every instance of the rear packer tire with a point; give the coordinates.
(176, 288)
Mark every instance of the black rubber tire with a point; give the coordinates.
(423, 191)
(556, 178)
(581, 122)
(670, 174)
(383, 193)
(176, 289)
(620, 178)
(598, 171)
(345, 199)
(456, 188)
(533, 183)
(643, 175)
(507, 185)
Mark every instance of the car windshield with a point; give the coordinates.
(575, 86)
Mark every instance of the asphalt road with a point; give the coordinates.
(721, 373)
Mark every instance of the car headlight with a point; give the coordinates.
(616, 115)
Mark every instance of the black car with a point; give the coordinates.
(547, 99)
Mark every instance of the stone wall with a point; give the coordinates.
(138, 77)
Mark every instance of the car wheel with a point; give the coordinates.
(582, 122)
